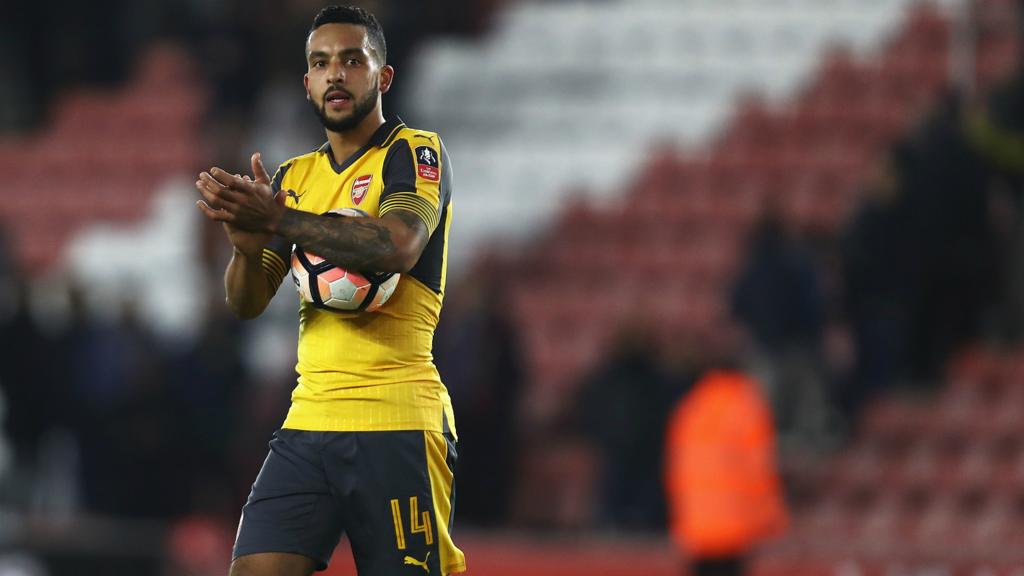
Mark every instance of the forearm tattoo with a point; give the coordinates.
(346, 242)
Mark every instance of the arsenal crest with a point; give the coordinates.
(359, 188)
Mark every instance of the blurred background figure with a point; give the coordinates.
(722, 477)
(478, 350)
(841, 181)
(778, 299)
(623, 410)
(876, 271)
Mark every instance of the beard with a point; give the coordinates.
(360, 109)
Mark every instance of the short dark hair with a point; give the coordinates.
(359, 17)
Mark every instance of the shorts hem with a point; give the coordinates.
(454, 568)
(320, 564)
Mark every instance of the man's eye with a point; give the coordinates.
(354, 62)
(318, 64)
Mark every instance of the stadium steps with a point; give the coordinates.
(931, 484)
(101, 158)
(668, 251)
(565, 98)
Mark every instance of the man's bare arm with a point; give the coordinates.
(392, 243)
(247, 286)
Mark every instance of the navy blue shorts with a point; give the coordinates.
(392, 493)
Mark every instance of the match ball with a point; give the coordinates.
(333, 288)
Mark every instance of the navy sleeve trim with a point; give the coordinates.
(275, 183)
(399, 172)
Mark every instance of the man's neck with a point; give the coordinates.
(344, 144)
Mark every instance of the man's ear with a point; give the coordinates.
(387, 74)
(305, 84)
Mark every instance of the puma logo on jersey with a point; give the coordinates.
(409, 560)
(295, 195)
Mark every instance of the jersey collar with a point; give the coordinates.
(381, 137)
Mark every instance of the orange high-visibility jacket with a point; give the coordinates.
(721, 476)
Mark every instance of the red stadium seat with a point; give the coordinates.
(916, 472)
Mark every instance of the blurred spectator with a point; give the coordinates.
(622, 410)
(208, 377)
(877, 273)
(28, 386)
(125, 417)
(777, 296)
(478, 354)
(925, 257)
(997, 133)
(950, 239)
(724, 495)
(27, 381)
(778, 299)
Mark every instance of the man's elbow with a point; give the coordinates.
(409, 237)
(406, 254)
(400, 262)
(243, 312)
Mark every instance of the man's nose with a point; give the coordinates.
(335, 73)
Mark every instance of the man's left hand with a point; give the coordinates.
(246, 204)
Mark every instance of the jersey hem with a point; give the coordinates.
(394, 427)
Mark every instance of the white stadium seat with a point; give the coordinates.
(572, 93)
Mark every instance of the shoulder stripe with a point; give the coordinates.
(393, 134)
(414, 203)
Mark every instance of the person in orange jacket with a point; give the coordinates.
(724, 495)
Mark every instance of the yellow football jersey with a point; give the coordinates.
(373, 371)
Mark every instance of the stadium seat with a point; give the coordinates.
(102, 156)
